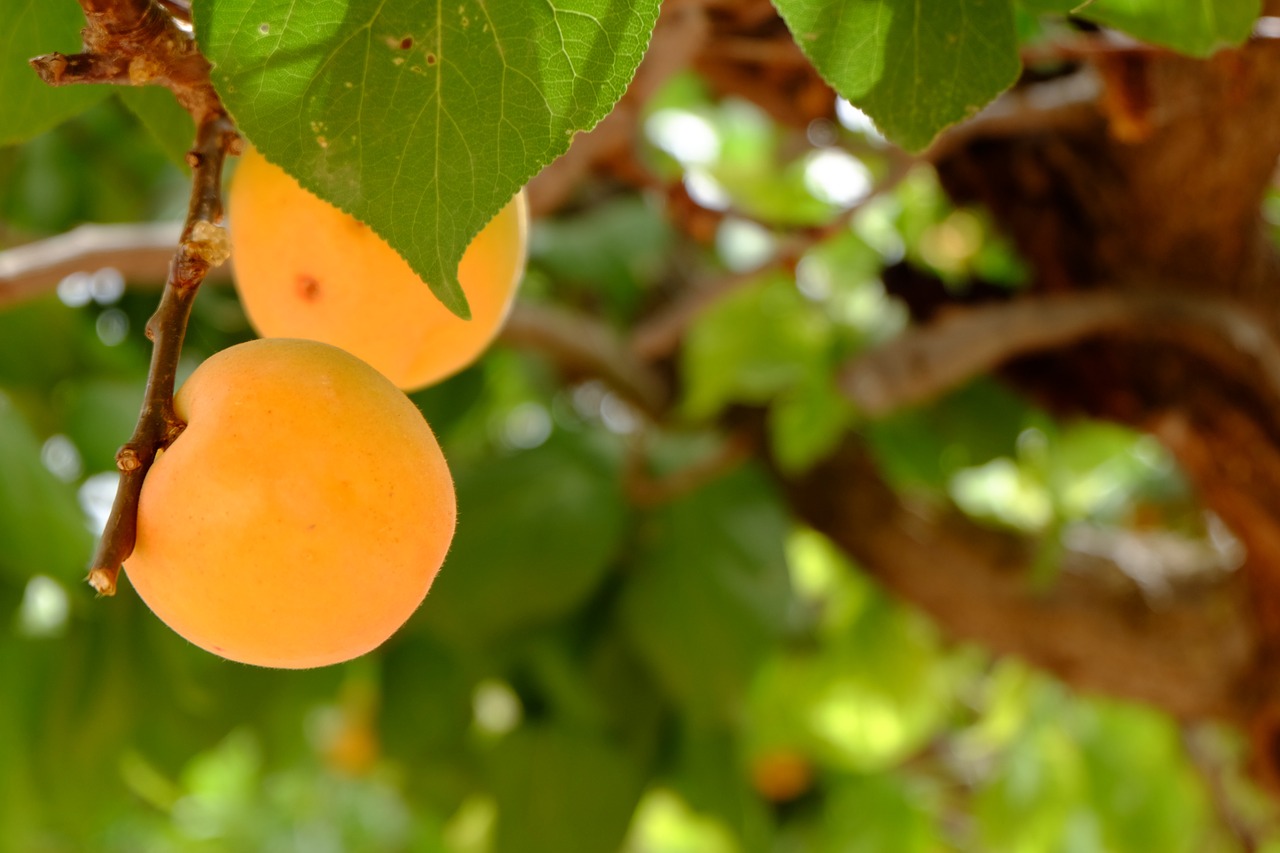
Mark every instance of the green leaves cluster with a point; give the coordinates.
(424, 118)
(588, 672)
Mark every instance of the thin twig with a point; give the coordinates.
(204, 244)
(139, 42)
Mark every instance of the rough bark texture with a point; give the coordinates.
(1154, 187)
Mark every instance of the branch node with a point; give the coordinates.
(173, 428)
(50, 67)
(144, 69)
(208, 243)
(127, 459)
(102, 581)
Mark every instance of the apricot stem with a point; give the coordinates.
(139, 42)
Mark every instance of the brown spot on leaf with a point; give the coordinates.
(406, 42)
(431, 59)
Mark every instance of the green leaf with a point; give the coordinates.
(41, 525)
(914, 68)
(1053, 7)
(33, 28)
(709, 773)
(537, 532)
(561, 789)
(708, 593)
(161, 114)
(882, 814)
(1166, 810)
(851, 708)
(421, 117)
(1037, 789)
(753, 345)
(99, 415)
(1195, 27)
(807, 423)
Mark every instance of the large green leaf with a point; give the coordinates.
(882, 814)
(32, 28)
(752, 346)
(915, 68)
(1197, 27)
(708, 593)
(41, 526)
(536, 533)
(560, 790)
(160, 113)
(421, 117)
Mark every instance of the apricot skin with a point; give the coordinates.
(305, 269)
(302, 515)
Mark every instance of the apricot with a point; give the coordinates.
(300, 517)
(305, 269)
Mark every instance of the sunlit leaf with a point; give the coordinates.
(707, 593)
(421, 118)
(913, 68)
(536, 533)
(753, 344)
(1196, 27)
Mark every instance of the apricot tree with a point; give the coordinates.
(833, 309)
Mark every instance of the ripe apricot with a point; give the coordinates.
(300, 517)
(781, 775)
(305, 269)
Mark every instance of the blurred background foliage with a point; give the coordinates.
(592, 672)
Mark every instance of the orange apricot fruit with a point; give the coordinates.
(781, 775)
(305, 269)
(300, 517)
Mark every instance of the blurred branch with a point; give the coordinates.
(1205, 751)
(926, 361)
(581, 344)
(1188, 652)
(141, 252)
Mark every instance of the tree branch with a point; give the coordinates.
(203, 245)
(577, 343)
(927, 360)
(581, 344)
(139, 42)
(140, 252)
(1188, 652)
